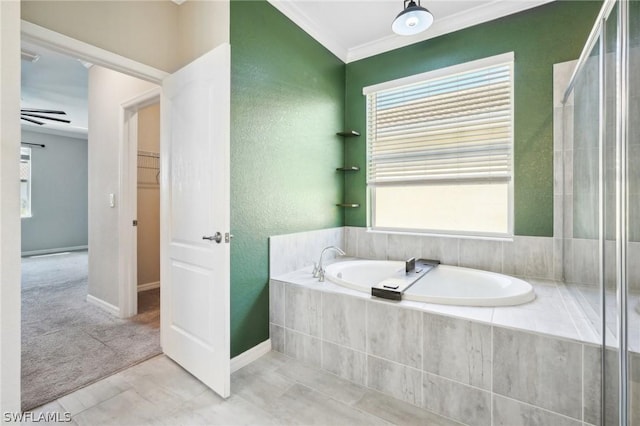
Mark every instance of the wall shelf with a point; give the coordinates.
(348, 169)
(348, 133)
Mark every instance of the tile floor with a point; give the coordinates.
(275, 389)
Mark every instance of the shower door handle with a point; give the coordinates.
(217, 237)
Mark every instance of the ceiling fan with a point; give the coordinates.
(35, 115)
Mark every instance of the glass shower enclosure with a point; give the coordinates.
(601, 242)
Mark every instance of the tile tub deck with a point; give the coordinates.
(474, 365)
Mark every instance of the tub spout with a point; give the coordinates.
(318, 269)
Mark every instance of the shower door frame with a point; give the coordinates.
(598, 34)
(622, 142)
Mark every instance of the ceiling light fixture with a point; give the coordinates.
(412, 20)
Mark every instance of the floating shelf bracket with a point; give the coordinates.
(348, 133)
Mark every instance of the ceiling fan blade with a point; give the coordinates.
(44, 117)
(39, 123)
(44, 111)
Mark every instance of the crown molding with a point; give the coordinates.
(477, 15)
(289, 9)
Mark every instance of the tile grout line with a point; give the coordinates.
(322, 297)
(284, 317)
(422, 360)
(566, 307)
(539, 408)
(454, 381)
(491, 392)
(582, 384)
(366, 344)
(102, 402)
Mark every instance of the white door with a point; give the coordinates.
(195, 201)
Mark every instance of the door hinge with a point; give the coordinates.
(135, 222)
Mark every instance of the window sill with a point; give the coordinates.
(507, 238)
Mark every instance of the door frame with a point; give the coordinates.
(128, 189)
(87, 52)
(127, 273)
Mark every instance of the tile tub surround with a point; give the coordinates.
(295, 251)
(532, 257)
(477, 366)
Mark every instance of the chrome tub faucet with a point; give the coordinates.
(318, 269)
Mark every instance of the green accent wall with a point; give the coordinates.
(290, 95)
(540, 37)
(287, 103)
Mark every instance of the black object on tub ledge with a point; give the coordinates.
(393, 288)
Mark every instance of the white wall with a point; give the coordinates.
(148, 199)
(9, 207)
(142, 30)
(156, 33)
(203, 25)
(108, 90)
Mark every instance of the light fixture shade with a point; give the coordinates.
(412, 20)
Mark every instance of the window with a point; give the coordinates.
(439, 150)
(25, 182)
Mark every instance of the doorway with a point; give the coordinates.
(148, 211)
(140, 201)
(72, 332)
(210, 72)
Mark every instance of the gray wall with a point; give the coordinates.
(58, 194)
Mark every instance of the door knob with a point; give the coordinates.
(217, 237)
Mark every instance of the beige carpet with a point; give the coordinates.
(68, 343)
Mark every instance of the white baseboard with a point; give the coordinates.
(103, 305)
(148, 286)
(53, 250)
(248, 356)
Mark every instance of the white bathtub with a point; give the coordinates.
(447, 285)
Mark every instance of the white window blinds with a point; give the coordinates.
(452, 127)
(25, 164)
